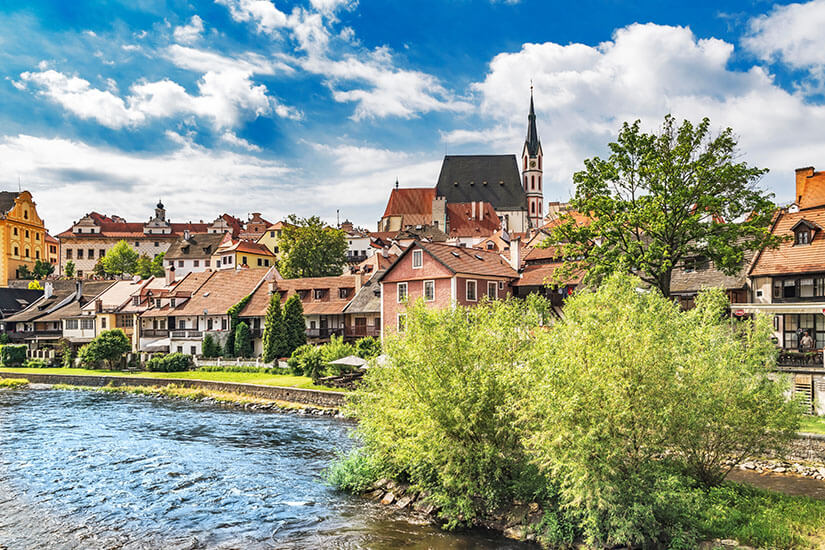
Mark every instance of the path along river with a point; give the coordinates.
(94, 470)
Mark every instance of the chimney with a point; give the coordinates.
(515, 253)
(358, 282)
(481, 210)
(48, 290)
(473, 210)
(170, 275)
(98, 306)
(803, 186)
(440, 213)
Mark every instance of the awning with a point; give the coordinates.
(157, 345)
(778, 309)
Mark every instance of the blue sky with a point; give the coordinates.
(307, 107)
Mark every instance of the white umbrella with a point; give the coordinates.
(349, 361)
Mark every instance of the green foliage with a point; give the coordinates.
(336, 348)
(294, 324)
(241, 368)
(35, 364)
(23, 272)
(307, 361)
(42, 269)
(108, 347)
(120, 259)
(99, 269)
(355, 471)
(157, 268)
(146, 267)
(310, 248)
(368, 347)
(243, 340)
(209, 347)
(69, 269)
(13, 355)
(661, 198)
(35, 285)
(174, 362)
(275, 337)
(66, 353)
(4, 339)
(229, 345)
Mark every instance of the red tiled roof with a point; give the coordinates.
(223, 290)
(332, 304)
(468, 219)
(118, 228)
(50, 239)
(578, 217)
(471, 261)
(789, 257)
(242, 246)
(411, 202)
(542, 275)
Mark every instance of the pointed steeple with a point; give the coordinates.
(532, 142)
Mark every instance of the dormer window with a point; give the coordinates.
(803, 236)
(804, 232)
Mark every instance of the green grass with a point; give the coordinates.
(286, 380)
(813, 424)
(13, 382)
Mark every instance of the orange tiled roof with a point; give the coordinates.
(542, 275)
(223, 290)
(411, 202)
(332, 304)
(471, 261)
(472, 220)
(116, 227)
(788, 257)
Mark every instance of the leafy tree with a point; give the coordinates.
(69, 270)
(243, 340)
(35, 285)
(275, 336)
(294, 323)
(210, 348)
(109, 346)
(23, 272)
(306, 360)
(233, 312)
(368, 347)
(99, 269)
(120, 259)
(661, 198)
(42, 269)
(310, 248)
(143, 266)
(157, 268)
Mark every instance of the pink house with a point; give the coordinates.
(441, 275)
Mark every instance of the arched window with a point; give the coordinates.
(525, 163)
(539, 183)
(532, 183)
(532, 208)
(25, 214)
(539, 162)
(525, 182)
(27, 252)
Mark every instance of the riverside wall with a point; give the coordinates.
(316, 398)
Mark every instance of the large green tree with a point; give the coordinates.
(243, 341)
(310, 248)
(69, 270)
(275, 337)
(294, 323)
(121, 259)
(42, 269)
(660, 198)
(109, 346)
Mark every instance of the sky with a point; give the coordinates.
(319, 106)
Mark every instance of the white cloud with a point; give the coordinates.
(584, 93)
(187, 34)
(232, 139)
(329, 7)
(791, 34)
(264, 13)
(203, 61)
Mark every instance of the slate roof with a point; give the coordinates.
(7, 201)
(368, 299)
(13, 300)
(223, 290)
(199, 246)
(532, 142)
(428, 232)
(490, 178)
(44, 306)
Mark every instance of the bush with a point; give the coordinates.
(209, 348)
(368, 347)
(336, 348)
(108, 347)
(241, 368)
(35, 364)
(243, 341)
(307, 361)
(174, 362)
(13, 355)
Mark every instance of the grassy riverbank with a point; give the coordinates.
(13, 382)
(812, 425)
(283, 380)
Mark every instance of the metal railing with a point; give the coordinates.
(154, 333)
(795, 359)
(187, 334)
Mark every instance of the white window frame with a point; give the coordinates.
(401, 322)
(491, 285)
(424, 291)
(467, 290)
(417, 254)
(398, 296)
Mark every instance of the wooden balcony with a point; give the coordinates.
(360, 331)
(154, 333)
(794, 360)
(322, 333)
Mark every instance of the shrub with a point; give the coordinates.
(109, 346)
(35, 364)
(209, 347)
(233, 312)
(241, 368)
(243, 340)
(13, 355)
(174, 362)
(307, 361)
(368, 347)
(275, 341)
(336, 348)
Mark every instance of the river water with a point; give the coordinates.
(95, 470)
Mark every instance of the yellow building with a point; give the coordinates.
(271, 237)
(22, 235)
(232, 254)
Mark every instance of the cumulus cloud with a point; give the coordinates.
(583, 94)
(232, 139)
(791, 34)
(187, 34)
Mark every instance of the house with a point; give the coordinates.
(323, 300)
(13, 300)
(408, 207)
(539, 275)
(192, 252)
(441, 275)
(88, 240)
(226, 223)
(362, 315)
(254, 228)
(359, 243)
(697, 272)
(236, 253)
(272, 236)
(53, 252)
(22, 235)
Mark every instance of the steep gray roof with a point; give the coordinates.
(199, 245)
(7, 201)
(490, 178)
(688, 282)
(368, 298)
(532, 142)
(13, 300)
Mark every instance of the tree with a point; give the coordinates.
(99, 269)
(233, 312)
(143, 266)
(35, 285)
(275, 337)
(294, 324)
(243, 341)
(157, 269)
(109, 346)
(120, 259)
(23, 272)
(368, 347)
(209, 348)
(42, 269)
(309, 248)
(69, 270)
(662, 198)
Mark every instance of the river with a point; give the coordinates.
(96, 470)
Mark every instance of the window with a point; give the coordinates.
(266, 263)
(180, 349)
(402, 292)
(36, 254)
(271, 234)
(37, 236)
(171, 263)
(71, 324)
(17, 251)
(157, 243)
(192, 350)
(27, 252)
(223, 324)
(501, 285)
(25, 214)
(209, 324)
(180, 263)
(813, 323)
(402, 322)
(101, 252)
(343, 292)
(789, 289)
(87, 324)
(27, 233)
(103, 322)
(172, 302)
(79, 253)
(417, 259)
(260, 262)
(244, 262)
(91, 253)
(532, 183)
(15, 232)
(68, 253)
(471, 291)
(196, 263)
(492, 290)
(803, 236)
(318, 293)
(806, 288)
(125, 321)
(135, 300)
(181, 324)
(429, 291)
(80, 230)
(137, 244)
(206, 263)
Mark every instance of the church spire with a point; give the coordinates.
(532, 142)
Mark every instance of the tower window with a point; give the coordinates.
(532, 208)
(532, 183)
(525, 163)
(539, 162)
(539, 183)
(525, 182)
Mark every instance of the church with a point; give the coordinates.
(477, 180)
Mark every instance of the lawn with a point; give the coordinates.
(813, 424)
(286, 380)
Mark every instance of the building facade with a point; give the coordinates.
(22, 235)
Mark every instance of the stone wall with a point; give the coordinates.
(807, 448)
(315, 398)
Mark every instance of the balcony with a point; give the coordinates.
(154, 333)
(794, 360)
(322, 333)
(187, 334)
(360, 331)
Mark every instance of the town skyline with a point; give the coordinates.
(312, 107)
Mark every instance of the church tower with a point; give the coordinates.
(531, 170)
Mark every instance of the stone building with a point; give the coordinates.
(23, 237)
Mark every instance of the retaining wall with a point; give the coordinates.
(315, 398)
